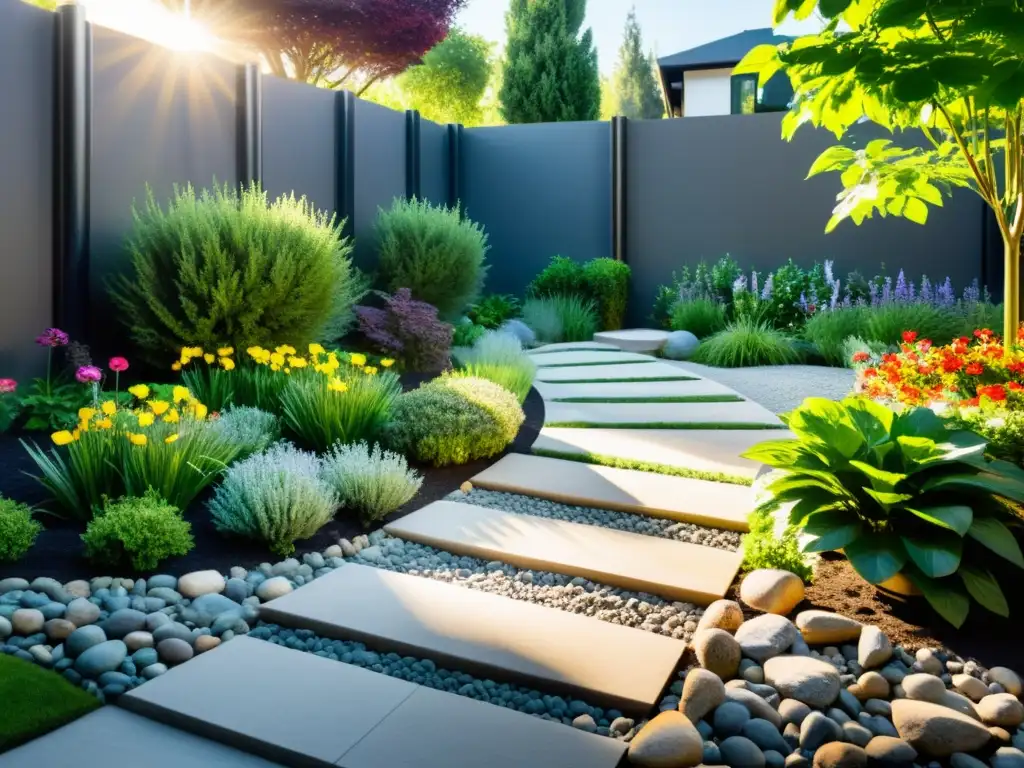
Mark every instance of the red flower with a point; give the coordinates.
(952, 364)
(971, 403)
(994, 392)
(910, 336)
(1015, 387)
(118, 364)
(7, 386)
(975, 369)
(890, 357)
(861, 357)
(870, 373)
(1017, 368)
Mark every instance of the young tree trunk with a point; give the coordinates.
(1011, 289)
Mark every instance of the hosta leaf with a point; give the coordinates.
(872, 419)
(876, 556)
(880, 479)
(783, 454)
(826, 421)
(983, 587)
(948, 599)
(807, 506)
(937, 554)
(998, 538)
(837, 538)
(887, 498)
(918, 449)
(954, 517)
(983, 481)
(919, 422)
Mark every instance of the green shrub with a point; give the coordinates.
(886, 323)
(467, 333)
(321, 412)
(701, 317)
(18, 529)
(829, 330)
(724, 274)
(561, 277)
(500, 358)
(664, 301)
(541, 316)
(452, 420)
(432, 251)
(745, 343)
(607, 283)
(251, 429)
(763, 548)
(982, 314)
(493, 310)
(371, 481)
(277, 496)
(1003, 428)
(578, 317)
(141, 530)
(229, 268)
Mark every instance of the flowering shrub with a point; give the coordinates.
(52, 402)
(408, 330)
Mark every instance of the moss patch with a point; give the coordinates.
(598, 362)
(643, 466)
(619, 381)
(664, 399)
(663, 425)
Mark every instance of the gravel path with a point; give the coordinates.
(779, 388)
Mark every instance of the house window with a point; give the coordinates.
(744, 94)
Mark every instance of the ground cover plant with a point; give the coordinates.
(18, 529)
(140, 531)
(408, 331)
(372, 481)
(500, 358)
(765, 547)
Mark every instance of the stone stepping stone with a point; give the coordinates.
(631, 389)
(572, 345)
(303, 710)
(613, 371)
(703, 502)
(634, 339)
(710, 414)
(707, 450)
(112, 737)
(652, 564)
(485, 634)
(586, 358)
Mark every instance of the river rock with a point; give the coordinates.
(806, 679)
(102, 657)
(826, 628)
(766, 636)
(889, 750)
(870, 685)
(123, 622)
(836, 754)
(58, 629)
(27, 621)
(741, 752)
(206, 643)
(960, 703)
(757, 706)
(174, 650)
(172, 630)
(668, 741)
(81, 612)
(873, 648)
(1002, 709)
(765, 735)
(702, 692)
(78, 588)
(935, 730)
(817, 729)
(82, 639)
(855, 733)
(793, 711)
(1006, 678)
(1007, 757)
(5, 627)
(729, 719)
(923, 687)
(198, 583)
(138, 639)
(970, 686)
(272, 588)
(212, 605)
(772, 591)
(721, 614)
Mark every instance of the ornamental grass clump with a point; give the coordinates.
(541, 316)
(702, 316)
(18, 529)
(828, 330)
(277, 496)
(499, 357)
(371, 481)
(452, 420)
(746, 343)
(902, 496)
(141, 531)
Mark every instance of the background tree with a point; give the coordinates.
(950, 69)
(636, 90)
(550, 71)
(448, 86)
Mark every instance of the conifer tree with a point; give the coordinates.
(635, 88)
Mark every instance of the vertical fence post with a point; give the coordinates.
(250, 124)
(455, 165)
(413, 175)
(619, 125)
(73, 141)
(345, 172)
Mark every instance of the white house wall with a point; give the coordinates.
(707, 92)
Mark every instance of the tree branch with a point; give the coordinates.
(979, 176)
(367, 84)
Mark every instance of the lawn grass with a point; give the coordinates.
(598, 362)
(644, 466)
(542, 351)
(619, 381)
(663, 425)
(653, 399)
(34, 701)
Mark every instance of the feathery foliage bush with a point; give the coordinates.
(829, 330)
(432, 251)
(607, 282)
(141, 530)
(702, 317)
(18, 529)
(561, 317)
(277, 496)
(452, 420)
(251, 429)
(230, 267)
(499, 357)
(746, 343)
(409, 331)
(372, 481)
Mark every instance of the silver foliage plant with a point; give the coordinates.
(370, 480)
(277, 496)
(252, 428)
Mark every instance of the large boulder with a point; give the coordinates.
(772, 591)
(703, 690)
(670, 740)
(935, 730)
(766, 636)
(806, 679)
(680, 345)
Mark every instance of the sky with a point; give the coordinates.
(668, 26)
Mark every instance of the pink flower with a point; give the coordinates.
(52, 337)
(118, 364)
(88, 374)
(7, 386)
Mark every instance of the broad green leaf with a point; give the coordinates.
(959, 70)
(948, 599)
(886, 498)
(937, 554)
(783, 454)
(899, 13)
(983, 481)
(954, 517)
(758, 58)
(825, 421)
(879, 478)
(918, 449)
(872, 419)
(985, 589)
(831, 534)
(998, 538)
(876, 556)
(832, 8)
(919, 422)
(913, 85)
(928, 193)
(916, 211)
(832, 159)
(811, 504)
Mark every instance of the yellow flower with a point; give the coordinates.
(209, 358)
(297, 362)
(140, 391)
(275, 367)
(175, 366)
(227, 363)
(357, 359)
(195, 351)
(337, 385)
(159, 406)
(226, 351)
(146, 419)
(316, 349)
(277, 358)
(104, 423)
(172, 416)
(200, 411)
(171, 438)
(109, 407)
(137, 439)
(370, 370)
(259, 354)
(181, 394)
(85, 414)
(285, 349)
(387, 363)
(63, 437)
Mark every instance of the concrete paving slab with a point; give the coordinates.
(420, 734)
(613, 371)
(552, 390)
(704, 502)
(292, 707)
(485, 634)
(707, 450)
(634, 339)
(572, 345)
(112, 737)
(600, 414)
(665, 567)
(588, 357)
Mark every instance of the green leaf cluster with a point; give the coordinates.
(746, 342)
(140, 530)
(899, 493)
(494, 309)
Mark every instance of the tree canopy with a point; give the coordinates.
(635, 87)
(450, 83)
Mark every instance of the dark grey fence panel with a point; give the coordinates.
(698, 188)
(26, 192)
(434, 169)
(379, 173)
(299, 141)
(538, 190)
(160, 118)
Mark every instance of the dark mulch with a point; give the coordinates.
(58, 550)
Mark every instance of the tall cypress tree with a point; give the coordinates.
(550, 69)
(637, 94)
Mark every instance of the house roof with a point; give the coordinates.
(726, 51)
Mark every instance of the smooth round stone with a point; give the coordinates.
(117, 603)
(237, 589)
(174, 650)
(825, 627)
(103, 657)
(33, 600)
(793, 711)
(272, 588)
(806, 679)
(144, 657)
(766, 636)
(197, 583)
(172, 630)
(970, 686)
(585, 723)
(81, 612)
(935, 730)
(894, 673)
(927, 662)
(702, 692)
(53, 610)
(772, 591)
(115, 678)
(1007, 757)
(621, 726)
(712, 755)
(27, 621)
(878, 707)
(855, 733)
(765, 735)
(870, 685)
(773, 759)
(137, 640)
(123, 622)
(154, 670)
(849, 703)
(680, 345)
(5, 628)
(717, 651)
(817, 730)
(889, 750)
(168, 595)
(162, 580)
(156, 620)
(1001, 709)
(1000, 736)
(961, 760)
(58, 629)
(215, 604)
(873, 648)
(82, 639)
(839, 755)
(1006, 678)
(51, 588)
(668, 741)
(923, 687)
(206, 643)
(12, 585)
(741, 752)
(729, 719)
(721, 614)
(751, 671)
(756, 705)
(41, 655)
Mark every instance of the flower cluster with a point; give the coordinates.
(223, 358)
(285, 358)
(8, 386)
(968, 372)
